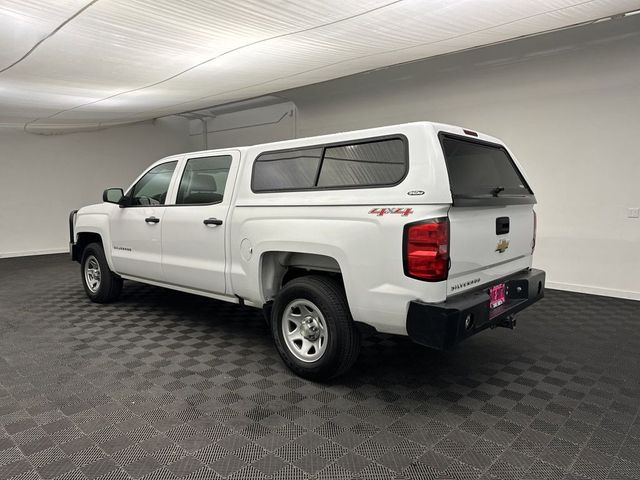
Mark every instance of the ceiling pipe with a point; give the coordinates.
(205, 133)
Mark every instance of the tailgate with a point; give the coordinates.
(481, 251)
(492, 218)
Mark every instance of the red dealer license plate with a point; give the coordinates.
(497, 295)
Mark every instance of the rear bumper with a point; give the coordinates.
(442, 325)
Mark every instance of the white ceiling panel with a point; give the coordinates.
(95, 62)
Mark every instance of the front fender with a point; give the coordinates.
(93, 222)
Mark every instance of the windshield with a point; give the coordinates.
(479, 169)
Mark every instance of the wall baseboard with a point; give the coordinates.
(30, 253)
(605, 292)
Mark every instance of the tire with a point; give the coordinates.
(100, 284)
(333, 341)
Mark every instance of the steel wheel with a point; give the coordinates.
(312, 327)
(304, 330)
(92, 274)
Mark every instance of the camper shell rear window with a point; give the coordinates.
(482, 173)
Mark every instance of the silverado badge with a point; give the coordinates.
(502, 245)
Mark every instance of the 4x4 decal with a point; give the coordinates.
(404, 211)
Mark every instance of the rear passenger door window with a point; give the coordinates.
(203, 180)
(375, 163)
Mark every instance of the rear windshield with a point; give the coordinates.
(478, 169)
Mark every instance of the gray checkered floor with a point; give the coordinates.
(165, 385)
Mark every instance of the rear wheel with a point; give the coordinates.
(313, 329)
(100, 284)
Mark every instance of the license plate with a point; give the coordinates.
(497, 295)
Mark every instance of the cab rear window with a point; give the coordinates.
(482, 170)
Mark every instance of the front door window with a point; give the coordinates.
(152, 188)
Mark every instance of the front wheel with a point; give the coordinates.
(100, 284)
(313, 329)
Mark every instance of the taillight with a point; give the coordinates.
(535, 231)
(426, 250)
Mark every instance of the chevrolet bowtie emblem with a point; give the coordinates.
(502, 245)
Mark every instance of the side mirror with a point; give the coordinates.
(113, 195)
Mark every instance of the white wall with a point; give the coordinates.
(568, 104)
(262, 124)
(43, 178)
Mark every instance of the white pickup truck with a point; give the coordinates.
(420, 229)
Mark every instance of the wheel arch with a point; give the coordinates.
(277, 267)
(84, 239)
(89, 228)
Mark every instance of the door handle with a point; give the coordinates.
(152, 220)
(212, 221)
